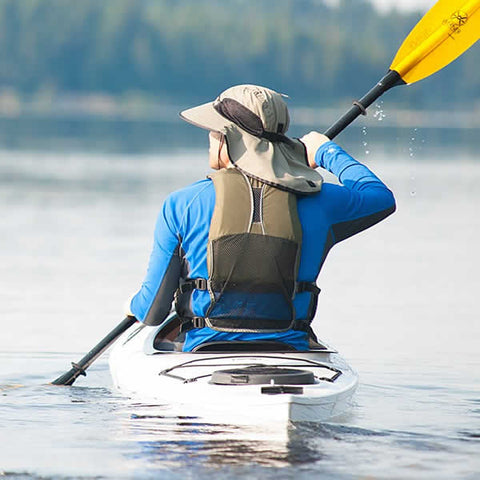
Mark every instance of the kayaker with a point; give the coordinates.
(240, 251)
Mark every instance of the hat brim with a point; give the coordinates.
(281, 165)
(206, 117)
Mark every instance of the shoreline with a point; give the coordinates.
(106, 108)
(402, 118)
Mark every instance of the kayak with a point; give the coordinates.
(234, 382)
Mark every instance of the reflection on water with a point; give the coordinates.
(168, 439)
(89, 431)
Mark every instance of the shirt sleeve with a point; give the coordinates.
(153, 301)
(361, 201)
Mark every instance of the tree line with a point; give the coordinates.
(192, 49)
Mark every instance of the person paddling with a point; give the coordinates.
(240, 251)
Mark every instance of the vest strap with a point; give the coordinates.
(199, 322)
(312, 307)
(307, 287)
(190, 323)
(194, 284)
(202, 284)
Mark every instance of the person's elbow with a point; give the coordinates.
(388, 202)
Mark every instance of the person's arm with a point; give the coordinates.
(153, 301)
(368, 201)
(363, 199)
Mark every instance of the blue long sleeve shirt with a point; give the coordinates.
(181, 236)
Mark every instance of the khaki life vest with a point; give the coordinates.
(253, 255)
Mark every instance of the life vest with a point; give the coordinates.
(253, 255)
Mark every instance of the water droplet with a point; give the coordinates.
(413, 193)
(379, 113)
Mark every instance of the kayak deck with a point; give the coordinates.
(184, 380)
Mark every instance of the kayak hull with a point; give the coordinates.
(181, 381)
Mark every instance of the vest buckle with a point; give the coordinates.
(198, 322)
(195, 283)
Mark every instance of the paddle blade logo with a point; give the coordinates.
(456, 22)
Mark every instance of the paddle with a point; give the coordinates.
(79, 368)
(446, 31)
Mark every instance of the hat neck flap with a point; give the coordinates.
(244, 118)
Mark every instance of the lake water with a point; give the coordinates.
(77, 208)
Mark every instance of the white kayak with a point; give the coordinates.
(236, 383)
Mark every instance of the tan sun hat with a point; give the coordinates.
(254, 121)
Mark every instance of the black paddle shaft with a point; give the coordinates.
(391, 79)
(79, 368)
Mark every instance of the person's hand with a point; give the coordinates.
(313, 141)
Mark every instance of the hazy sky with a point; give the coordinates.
(420, 5)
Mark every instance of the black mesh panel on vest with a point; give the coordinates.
(257, 209)
(263, 267)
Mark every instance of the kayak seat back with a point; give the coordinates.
(239, 346)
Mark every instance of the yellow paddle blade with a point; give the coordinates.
(447, 30)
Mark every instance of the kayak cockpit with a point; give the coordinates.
(163, 344)
(168, 338)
